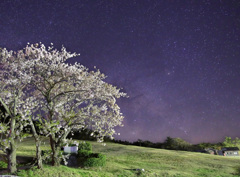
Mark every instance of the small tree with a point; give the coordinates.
(70, 97)
(177, 144)
(168, 143)
(229, 142)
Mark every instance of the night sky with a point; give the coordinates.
(178, 60)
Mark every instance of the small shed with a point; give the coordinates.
(72, 149)
(230, 151)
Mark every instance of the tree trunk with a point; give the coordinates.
(55, 151)
(11, 151)
(12, 158)
(38, 146)
(38, 154)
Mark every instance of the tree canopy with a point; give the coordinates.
(39, 84)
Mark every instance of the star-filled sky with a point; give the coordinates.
(178, 60)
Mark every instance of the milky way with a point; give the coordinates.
(179, 61)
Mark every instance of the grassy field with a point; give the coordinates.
(127, 161)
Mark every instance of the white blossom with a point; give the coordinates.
(60, 94)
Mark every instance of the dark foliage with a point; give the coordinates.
(217, 146)
(85, 134)
(3, 117)
(172, 144)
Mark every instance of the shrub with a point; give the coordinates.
(84, 153)
(95, 160)
(87, 158)
(86, 146)
(3, 164)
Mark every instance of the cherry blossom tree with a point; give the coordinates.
(70, 97)
(38, 84)
(12, 84)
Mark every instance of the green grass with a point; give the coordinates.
(124, 161)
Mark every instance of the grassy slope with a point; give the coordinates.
(123, 160)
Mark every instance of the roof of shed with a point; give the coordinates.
(230, 149)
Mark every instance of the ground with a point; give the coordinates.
(123, 160)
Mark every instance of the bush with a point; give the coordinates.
(84, 153)
(29, 173)
(88, 159)
(85, 146)
(95, 160)
(3, 164)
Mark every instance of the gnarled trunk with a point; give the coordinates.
(12, 150)
(12, 157)
(38, 154)
(55, 146)
(55, 151)
(38, 146)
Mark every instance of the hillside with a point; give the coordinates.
(125, 160)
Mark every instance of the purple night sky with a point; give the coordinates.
(178, 60)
